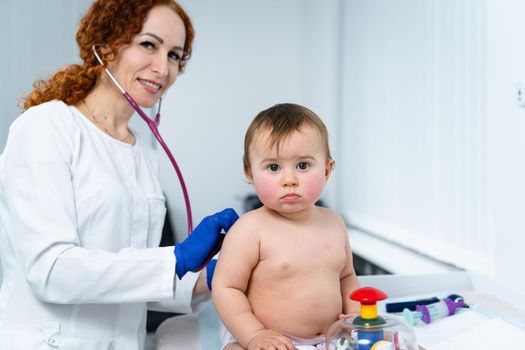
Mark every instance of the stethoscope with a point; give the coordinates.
(152, 124)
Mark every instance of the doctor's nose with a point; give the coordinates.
(159, 65)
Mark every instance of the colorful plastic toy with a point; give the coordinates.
(370, 331)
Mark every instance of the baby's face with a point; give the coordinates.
(292, 179)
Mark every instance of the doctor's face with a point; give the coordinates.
(148, 66)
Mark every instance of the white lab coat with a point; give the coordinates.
(81, 216)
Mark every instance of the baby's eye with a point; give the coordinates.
(303, 166)
(147, 45)
(273, 168)
(174, 56)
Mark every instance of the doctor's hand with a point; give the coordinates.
(210, 269)
(195, 250)
(203, 284)
(270, 340)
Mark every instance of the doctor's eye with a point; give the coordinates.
(273, 168)
(174, 55)
(303, 165)
(147, 45)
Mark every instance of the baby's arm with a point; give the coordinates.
(239, 255)
(349, 283)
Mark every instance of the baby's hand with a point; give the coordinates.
(351, 313)
(270, 340)
(343, 316)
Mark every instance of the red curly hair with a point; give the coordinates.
(111, 23)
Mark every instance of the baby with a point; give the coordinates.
(285, 270)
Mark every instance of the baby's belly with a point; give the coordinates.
(301, 308)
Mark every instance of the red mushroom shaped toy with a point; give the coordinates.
(368, 297)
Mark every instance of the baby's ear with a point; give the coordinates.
(248, 174)
(329, 167)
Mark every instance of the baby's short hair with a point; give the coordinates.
(281, 120)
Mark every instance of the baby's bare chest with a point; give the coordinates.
(302, 253)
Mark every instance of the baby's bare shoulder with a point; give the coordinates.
(248, 224)
(255, 217)
(330, 215)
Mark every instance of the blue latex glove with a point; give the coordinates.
(210, 269)
(194, 251)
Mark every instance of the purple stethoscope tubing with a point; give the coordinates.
(152, 124)
(153, 127)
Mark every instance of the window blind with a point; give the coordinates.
(412, 139)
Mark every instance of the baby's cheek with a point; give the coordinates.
(313, 189)
(266, 191)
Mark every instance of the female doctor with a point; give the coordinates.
(81, 207)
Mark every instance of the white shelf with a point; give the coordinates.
(392, 257)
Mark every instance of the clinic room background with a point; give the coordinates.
(423, 101)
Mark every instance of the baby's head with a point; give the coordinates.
(286, 151)
(280, 121)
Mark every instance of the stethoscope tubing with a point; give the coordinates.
(153, 127)
(152, 124)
